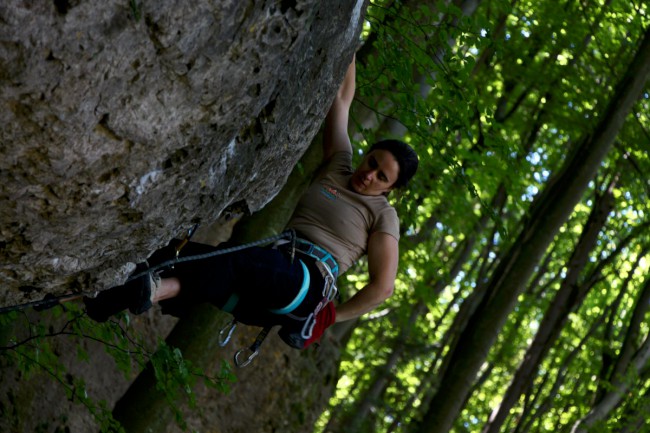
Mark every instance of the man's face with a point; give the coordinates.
(376, 174)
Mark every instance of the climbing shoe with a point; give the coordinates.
(137, 295)
(144, 288)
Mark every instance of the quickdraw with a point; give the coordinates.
(226, 334)
(254, 349)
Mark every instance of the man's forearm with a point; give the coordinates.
(364, 301)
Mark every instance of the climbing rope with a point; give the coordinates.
(290, 234)
(50, 301)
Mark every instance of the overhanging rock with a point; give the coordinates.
(124, 123)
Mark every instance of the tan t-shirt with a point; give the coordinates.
(338, 219)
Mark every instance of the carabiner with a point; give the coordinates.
(254, 348)
(308, 327)
(330, 290)
(248, 360)
(182, 244)
(228, 329)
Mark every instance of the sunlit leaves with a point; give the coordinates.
(510, 91)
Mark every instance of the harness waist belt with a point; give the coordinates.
(314, 251)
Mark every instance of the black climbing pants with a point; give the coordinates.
(263, 280)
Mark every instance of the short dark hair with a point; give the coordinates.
(406, 158)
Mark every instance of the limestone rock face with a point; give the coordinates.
(123, 123)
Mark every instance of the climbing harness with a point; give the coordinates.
(328, 268)
(319, 254)
(329, 271)
(329, 294)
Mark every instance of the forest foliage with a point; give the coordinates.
(516, 309)
(498, 97)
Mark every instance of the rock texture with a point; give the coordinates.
(123, 123)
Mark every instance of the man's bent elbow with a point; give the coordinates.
(386, 292)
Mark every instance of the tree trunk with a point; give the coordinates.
(567, 298)
(393, 127)
(367, 116)
(611, 367)
(529, 415)
(281, 381)
(634, 359)
(548, 213)
(636, 418)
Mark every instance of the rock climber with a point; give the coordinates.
(344, 215)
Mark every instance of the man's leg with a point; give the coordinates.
(169, 288)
